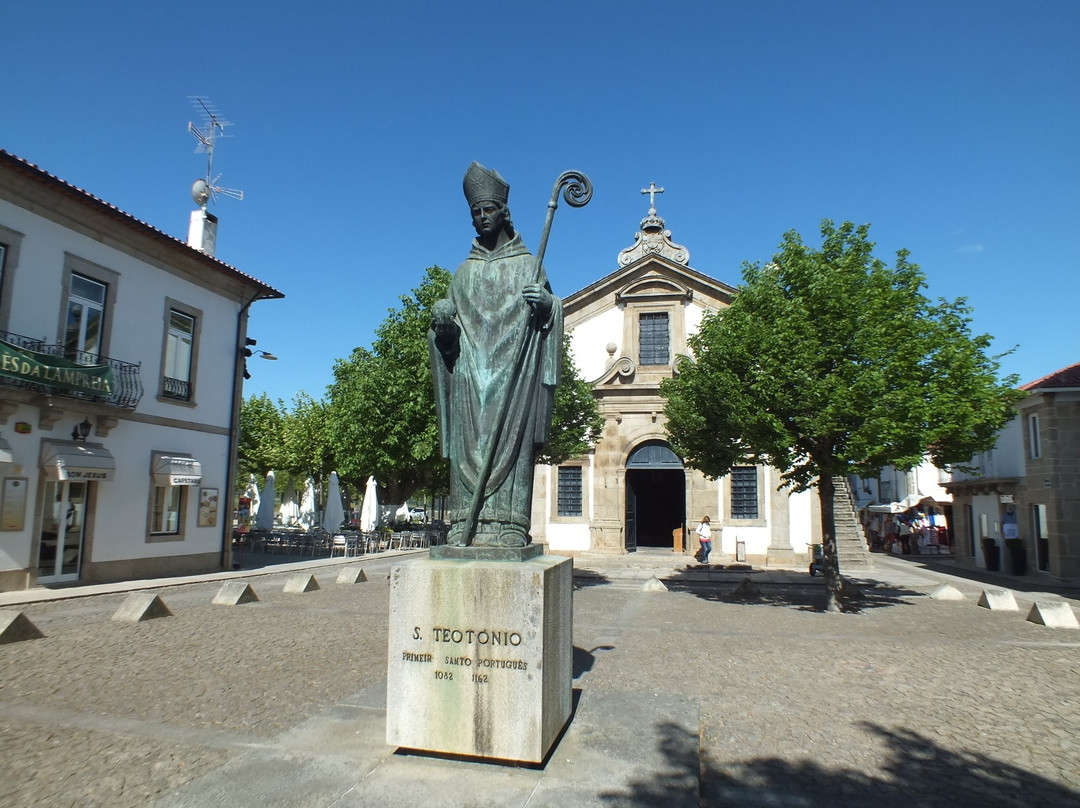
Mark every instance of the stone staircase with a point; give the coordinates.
(852, 554)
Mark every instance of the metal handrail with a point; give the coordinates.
(127, 385)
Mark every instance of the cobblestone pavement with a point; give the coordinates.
(911, 702)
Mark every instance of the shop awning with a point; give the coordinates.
(910, 501)
(5, 452)
(76, 461)
(176, 470)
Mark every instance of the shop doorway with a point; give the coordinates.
(655, 496)
(63, 525)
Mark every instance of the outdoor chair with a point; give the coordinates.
(339, 543)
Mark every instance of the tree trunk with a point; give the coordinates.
(833, 584)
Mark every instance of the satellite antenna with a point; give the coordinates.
(212, 127)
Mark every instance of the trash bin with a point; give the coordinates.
(1017, 556)
(991, 555)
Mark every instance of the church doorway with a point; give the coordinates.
(655, 496)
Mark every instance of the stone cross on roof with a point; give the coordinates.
(653, 238)
(652, 191)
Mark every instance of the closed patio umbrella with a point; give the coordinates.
(335, 511)
(289, 512)
(264, 519)
(307, 505)
(369, 511)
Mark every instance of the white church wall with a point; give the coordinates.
(800, 528)
(693, 314)
(568, 538)
(589, 340)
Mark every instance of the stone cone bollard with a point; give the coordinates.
(141, 606)
(1053, 613)
(947, 592)
(16, 627)
(654, 584)
(746, 589)
(233, 593)
(998, 600)
(299, 584)
(352, 575)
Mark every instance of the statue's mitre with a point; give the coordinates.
(484, 185)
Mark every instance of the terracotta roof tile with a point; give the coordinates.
(26, 167)
(1066, 377)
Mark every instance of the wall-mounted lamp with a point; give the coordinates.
(81, 431)
(248, 353)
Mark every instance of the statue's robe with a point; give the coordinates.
(502, 358)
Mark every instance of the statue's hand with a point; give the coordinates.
(442, 318)
(539, 298)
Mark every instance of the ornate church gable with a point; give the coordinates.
(627, 327)
(654, 286)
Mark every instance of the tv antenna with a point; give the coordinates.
(212, 127)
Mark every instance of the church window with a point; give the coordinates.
(744, 493)
(654, 344)
(570, 491)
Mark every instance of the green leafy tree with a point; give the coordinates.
(382, 402)
(381, 410)
(576, 420)
(827, 363)
(306, 447)
(259, 449)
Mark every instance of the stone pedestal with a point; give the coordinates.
(480, 656)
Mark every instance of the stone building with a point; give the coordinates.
(1020, 511)
(121, 363)
(631, 491)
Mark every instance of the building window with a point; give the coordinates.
(10, 244)
(654, 343)
(744, 493)
(570, 491)
(1034, 447)
(85, 321)
(1042, 537)
(179, 342)
(165, 509)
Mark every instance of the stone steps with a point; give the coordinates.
(852, 554)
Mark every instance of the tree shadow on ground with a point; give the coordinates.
(1021, 583)
(677, 786)
(749, 589)
(583, 579)
(915, 772)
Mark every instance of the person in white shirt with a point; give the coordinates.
(704, 532)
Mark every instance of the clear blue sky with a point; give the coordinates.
(950, 126)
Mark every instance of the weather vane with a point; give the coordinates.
(204, 190)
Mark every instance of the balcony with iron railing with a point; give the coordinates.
(177, 389)
(126, 387)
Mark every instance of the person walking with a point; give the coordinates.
(704, 533)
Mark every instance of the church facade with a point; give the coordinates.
(632, 491)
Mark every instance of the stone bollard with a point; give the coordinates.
(141, 606)
(233, 593)
(299, 584)
(998, 600)
(16, 627)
